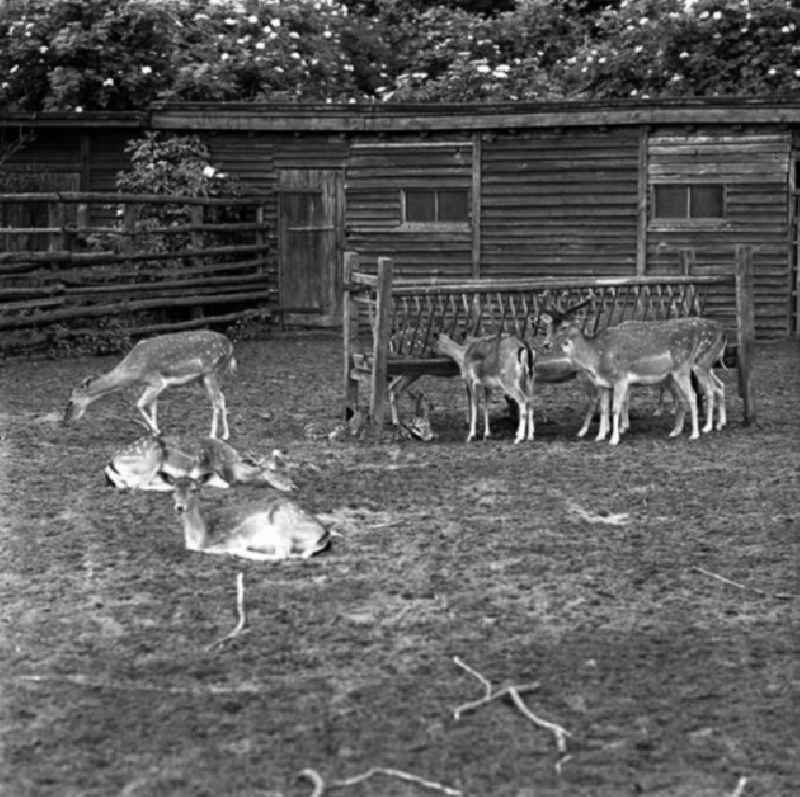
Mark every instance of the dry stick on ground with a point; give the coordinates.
(514, 693)
(319, 783)
(240, 609)
(739, 790)
(780, 595)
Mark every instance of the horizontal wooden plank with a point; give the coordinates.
(94, 311)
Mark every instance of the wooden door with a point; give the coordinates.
(311, 213)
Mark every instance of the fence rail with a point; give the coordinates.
(405, 317)
(147, 273)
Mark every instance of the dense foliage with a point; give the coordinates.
(123, 54)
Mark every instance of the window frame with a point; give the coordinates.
(435, 225)
(684, 222)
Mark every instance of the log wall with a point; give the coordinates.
(377, 172)
(754, 169)
(560, 203)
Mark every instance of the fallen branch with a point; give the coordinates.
(560, 763)
(240, 609)
(611, 519)
(319, 783)
(779, 595)
(513, 692)
(739, 790)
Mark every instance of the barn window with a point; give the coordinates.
(435, 206)
(689, 201)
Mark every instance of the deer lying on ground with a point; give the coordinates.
(649, 353)
(153, 463)
(268, 529)
(502, 361)
(159, 363)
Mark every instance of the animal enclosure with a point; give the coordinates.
(404, 318)
(566, 563)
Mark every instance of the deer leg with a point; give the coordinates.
(486, 396)
(719, 387)
(593, 394)
(703, 379)
(525, 411)
(148, 400)
(529, 405)
(219, 409)
(684, 383)
(624, 420)
(605, 400)
(472, 410)
(397, 386)
(620, 397)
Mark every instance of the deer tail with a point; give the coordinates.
(525, 357)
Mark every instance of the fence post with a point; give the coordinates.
(745, 328)
(262, 219)
(349, 332)
(380, 342)
(130, 214)
(56, 218)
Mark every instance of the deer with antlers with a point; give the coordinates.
(161, 362)
(648, 352)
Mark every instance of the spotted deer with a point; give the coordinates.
(154, 462)
(502, 361)
(649, 353)
(161, 362)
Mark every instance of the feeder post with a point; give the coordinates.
(380, 342)
(349, 332)
(745, 328)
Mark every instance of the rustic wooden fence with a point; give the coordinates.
(146, 266)
(404, 318)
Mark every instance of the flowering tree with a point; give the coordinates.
(175, 166)
(652, 48)
(73, 54)
(122, 54)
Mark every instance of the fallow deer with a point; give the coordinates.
(266, 530)
(158, 363)
(152, 463)
(502, 361)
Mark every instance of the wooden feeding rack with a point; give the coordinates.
(402, 318)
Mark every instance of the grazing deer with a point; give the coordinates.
(158, 363)
(265, 530)
(637, 353)
(152, 463)
(419, 427)
(502, 361)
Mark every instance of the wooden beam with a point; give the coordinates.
(641, 205)
(745, 328)
(349, 333)
(477, 169)
(380, 343)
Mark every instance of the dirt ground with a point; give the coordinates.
(560, 561)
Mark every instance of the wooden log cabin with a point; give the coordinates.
(505, 190)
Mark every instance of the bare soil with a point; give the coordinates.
(515, 559)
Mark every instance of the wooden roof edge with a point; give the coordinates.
(293, 117)
(83, 119)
